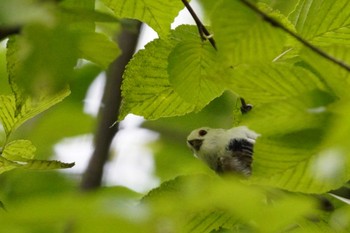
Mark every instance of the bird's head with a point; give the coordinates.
(205, 140)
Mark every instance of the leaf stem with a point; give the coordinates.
(203, 32)
(275, 23)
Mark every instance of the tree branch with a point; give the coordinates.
(275, 23)
(203, 32)
(109, 111)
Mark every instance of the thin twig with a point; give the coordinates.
(203, 32)
(275, 23)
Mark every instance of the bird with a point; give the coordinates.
(226, 151)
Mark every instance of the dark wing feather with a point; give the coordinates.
(240, 158)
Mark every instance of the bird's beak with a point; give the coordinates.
(195, 143)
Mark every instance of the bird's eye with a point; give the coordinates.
(202, 132)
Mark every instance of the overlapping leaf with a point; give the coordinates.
(263, 83)
(158, 14)
(98, 49)
(20, 154)
(336, 77)
(298, 162)
(146, 88)
(33, 70)
(191, 73)
(323, 22)
(19, 150)
(242, 36)
(230, 205)
(11, 117)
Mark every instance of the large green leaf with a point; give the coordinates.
(158, 14)
(261, 83)
(297, 162)
(19, 12)
(11, 116)
(146, 88)
(243, 36)
(323, 22)
(40, 62)
(20, 154)
(336, 77)
(230, 208)
(190, 69)
(98, 48)
(305, 111)
(19, 150)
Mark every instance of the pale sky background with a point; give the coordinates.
(132, 163)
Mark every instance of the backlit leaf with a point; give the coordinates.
(191, 72)
(158, 14)
(244, 37)
(19, 150)
(323, 22)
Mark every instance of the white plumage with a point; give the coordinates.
(223, 150)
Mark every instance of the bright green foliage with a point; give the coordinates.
(226, 204)
(323, 22)
(146, 89)
(11, 117)
(299, 99)
(40, 66)
(103, 51)
(20, 150)
(301, 111)
(190, 72)
(158, 14)
(241, 35)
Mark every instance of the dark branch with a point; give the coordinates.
(275, 23)
(111, 103)
(203, 32)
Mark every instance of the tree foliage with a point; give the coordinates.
(300, 99)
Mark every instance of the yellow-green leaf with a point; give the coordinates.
(158, 14)
(19, 150)
(191, 72)
(98, 48)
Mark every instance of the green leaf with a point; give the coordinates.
(158, 14)
(40, 61)
(244, 37)
(81, 14)
(303, 111)
(78, 15)
(209, 221)
(7, 165)
(191, 72)
(336, 77)
(146, 89)
(32, 164)
(302, 160)
(46, 165)
(19, 150)
(11, 117)
(231, 205)
(98, 48)
(20, 12)
(261, 83)
(323, 22)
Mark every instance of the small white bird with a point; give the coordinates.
(224, 151)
